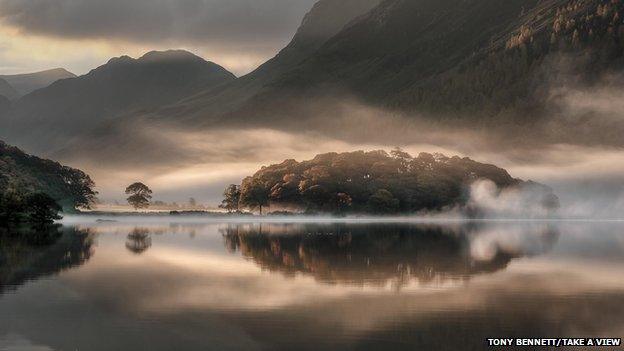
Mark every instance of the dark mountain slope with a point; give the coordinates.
(479, 60)
(325, 19)
(29, 82)
(47, 117)
(5, 104)
(6, 90)
(454, 57)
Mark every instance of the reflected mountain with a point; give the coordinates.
(30, 254)
(377, 255)
(139, 240)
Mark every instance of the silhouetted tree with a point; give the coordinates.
(231, 198)
(254, 194)
(193, 202)
(42, 209)
(80, 187)
(12, 208)
(36, 209)
(140, 195)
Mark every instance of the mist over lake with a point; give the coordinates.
(311, 175)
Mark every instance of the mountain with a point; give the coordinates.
(462, 61)
(24, 173)
(49, 117)
(6, 90)
(457, 63)
(460, 57)
(325, 19)
(5, 104)
(455, 57)
(29, 82)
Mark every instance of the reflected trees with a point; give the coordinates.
(381, 254)
(139, 241)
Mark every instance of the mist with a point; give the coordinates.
(179, 163)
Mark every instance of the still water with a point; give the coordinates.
(167, 285)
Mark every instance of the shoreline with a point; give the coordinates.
(214, 217)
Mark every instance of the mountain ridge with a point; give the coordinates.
(48, 117)
(26, 83)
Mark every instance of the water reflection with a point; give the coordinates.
(378, 254)
(139, 240)
(32, 253)
(310, 287)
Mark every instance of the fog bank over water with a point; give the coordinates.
(200, 164)
(577, 149)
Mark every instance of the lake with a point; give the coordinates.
(189, 284)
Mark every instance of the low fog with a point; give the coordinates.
(576, 148)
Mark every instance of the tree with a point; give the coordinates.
(138, 241)
(231, 198)
(193, 202)
(374, 182)
(254, 194)
(140, 195)
(34, 208)
(42, 209)
(12, 208)
(80, 188)
(383, 202)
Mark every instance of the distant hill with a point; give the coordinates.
(21, 172)
(29, 82)
(49, 117)
(379, 183)
(6, 90)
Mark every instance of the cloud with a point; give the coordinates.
(229, 22)
(238, 34)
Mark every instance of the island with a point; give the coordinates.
(376, 182)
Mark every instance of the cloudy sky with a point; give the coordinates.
(81, 34)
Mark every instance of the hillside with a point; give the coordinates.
(448, 58)
(456, 64)
(6, 90)
(448, 63)
(48, 117)
(325, 19)
(29, 82)
(23, 173)
(5, 104)
(379, 183)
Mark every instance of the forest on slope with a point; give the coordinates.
(22, 175)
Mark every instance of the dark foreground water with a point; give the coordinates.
(293, 286)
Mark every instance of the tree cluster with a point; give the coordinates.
(374, 182)
(34, 209)
(22, 173)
